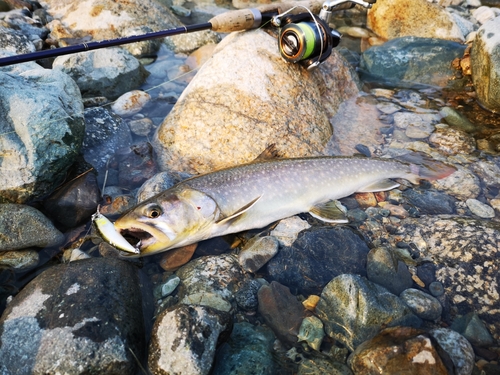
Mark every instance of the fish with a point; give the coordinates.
(256, 194)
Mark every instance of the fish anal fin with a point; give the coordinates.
(238, 212)
(382, 185)
(329, 212)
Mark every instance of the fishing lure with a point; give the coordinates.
(110, 234)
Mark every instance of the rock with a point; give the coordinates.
(105, 133)
(234, 127)
(411, 60)
(356, 122)
(141, 127)
(473, 329)
(175, 258)
(436, 288)
(108, 19)
(81, 316)
(464, 252)
(461, 184)
(488, 171)
(281, 311)
(384, 269)
(136, 165)
(166, 288)
(257, 253)
(483, 14)
(184, 339)
(14, 42)
(108, 72)
(452, 141)
(246, 296)
(480, 209)
(397, 350)
(288, 230)
(430, 202)
(158, 183)
(457, 347)
(486, 64)
(391, 19)
(19, 260)
(419, 131)
(302, 266)
(457, 120)
(42, 132)
(187, 43)
(354, 310)
(144, 48)
(130, 103)
(74, 202)
(23, 226)
(422, 304)
(210, 281)
(320, 366)
(248, 351)
(311, 331)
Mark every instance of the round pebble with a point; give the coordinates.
(388, 108)
(436, 289)
(422, 304)
(130, 103)
(480, 209)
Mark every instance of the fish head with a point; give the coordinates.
(171, 219)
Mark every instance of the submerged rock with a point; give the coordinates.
(458, 349)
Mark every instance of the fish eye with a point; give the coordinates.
(154, 212)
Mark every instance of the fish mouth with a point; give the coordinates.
(139, 238)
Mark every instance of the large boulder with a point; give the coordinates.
(245, 98)
(485, 59)
(41, 132)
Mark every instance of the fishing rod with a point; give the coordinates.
(304, 37)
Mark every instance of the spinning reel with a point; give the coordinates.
(308, 39)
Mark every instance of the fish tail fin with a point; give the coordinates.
(424, 167)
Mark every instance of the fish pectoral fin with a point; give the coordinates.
(238, 212)
(329, 212)
(382, 185)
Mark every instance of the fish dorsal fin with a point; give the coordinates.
(238, 212)
(330, 212)
(382, 185)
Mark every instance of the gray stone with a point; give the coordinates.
(158, 183)
(257, 253)
(14, 42)
(480, 209)
(322, 366)
(108, 72)
(412, 60)
(473, 329)
(246, 296)
(19, 260)
(419, 131)
(311, 331)
(23, 226)
(457, 347)
(422, 304)
(79, 318)
(384, 269)
(41, 132)
(354, 310)
(288, 230)
(461, 184)
(456, 119)
(430, 202)
(249, 350)
(452, 141)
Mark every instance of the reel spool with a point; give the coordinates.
(306, 39)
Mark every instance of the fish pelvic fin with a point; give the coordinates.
(424, 167)
(382, 185)
(330, 212)
(238, 212)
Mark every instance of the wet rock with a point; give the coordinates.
(108, 72)
(108, 19)
(175, 258)
(392, 19)
(184, 339)
(246, 296)
(384, 269)
(307, 266)
(288, 230)
(158, 183)
(354, 310)
(412, 60)
(145, 47)
(320, 366)
(136, 165)
(248, 351)
(486, 64)
(257, 253)
(83, 317)
(130, 103)
(430, 202)
(105, 133)
(23, 226)
(19, 260)
(419, 131)
(397, 350)
(74, 202)
(464, 252)
(461, 184)
(141, 127)
(311, 331)
(281, 311)
(210, 281)
(480, 209)
(187, 43)
(248, 66)
(457, 120)
(483, 14)
(167, 287)
(422, 304)
(452, 141)
(473, 329)
(436, 289)
(488, 171)
(356, 122)
(457, 347)
(42, 132)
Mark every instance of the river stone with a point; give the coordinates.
(485, 60)
(23, 226)
(398, 350)
(184, 339)
(465, 253)
(14, 42)
(19, 260)
(77, 318)
(411, 60)
(41, 132)
(461, 184)
(457, 120)
(422, 304)
(318, 255)
(248, 351)
(457, 347)
(354, 310)
(391, 19)
(159, 183)
(322, 366)
(452, 141)
(480, 209)
(288, 230)
(257, 253)
(246, 97)
(430, 202)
